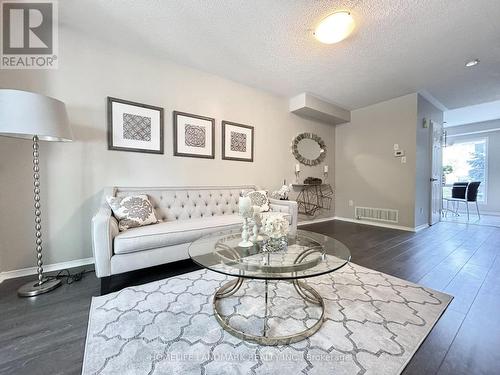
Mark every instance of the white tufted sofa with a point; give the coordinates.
(186, 214)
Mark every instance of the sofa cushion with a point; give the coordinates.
(180, 203)
(171, 233)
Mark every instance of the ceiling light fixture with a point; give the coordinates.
(472, 63)
(335, 27)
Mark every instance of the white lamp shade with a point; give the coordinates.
(24, 114)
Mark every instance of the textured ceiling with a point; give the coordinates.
(474, 113)
(398, 47)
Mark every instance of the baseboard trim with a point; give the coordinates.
(375, 224)
(421, 227)
(473, 212)
(313, 221)
(46, 268)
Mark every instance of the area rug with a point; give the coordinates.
(374, 323)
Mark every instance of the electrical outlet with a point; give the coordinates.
(396, 147)
(403, 160)
(351, 203)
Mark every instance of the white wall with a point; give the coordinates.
(73, 174)
(491, 131)
(366, 170)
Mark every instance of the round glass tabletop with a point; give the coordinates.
(308, 254)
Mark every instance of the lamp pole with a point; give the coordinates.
(42, 285)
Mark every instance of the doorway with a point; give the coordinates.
(436, 201)
(465, 159)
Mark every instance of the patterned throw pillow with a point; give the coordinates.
(259, 198)
(132, 211)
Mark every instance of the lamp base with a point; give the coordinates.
(32, 288)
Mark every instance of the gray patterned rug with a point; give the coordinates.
(374, 324)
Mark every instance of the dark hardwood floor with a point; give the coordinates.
(46, 334)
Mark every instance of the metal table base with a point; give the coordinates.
(305, 291)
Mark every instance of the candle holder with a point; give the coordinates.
(245, 235)
(257, 224)
(246, 211)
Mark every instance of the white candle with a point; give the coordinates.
(297, 167)
(325, 169)
(245, 204)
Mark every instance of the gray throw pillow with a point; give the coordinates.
(132, 211)
(259, 198)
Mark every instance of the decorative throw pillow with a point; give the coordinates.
(259, 198)
(132, 211)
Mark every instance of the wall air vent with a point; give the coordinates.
(378, 214)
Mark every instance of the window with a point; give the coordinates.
(466, 161)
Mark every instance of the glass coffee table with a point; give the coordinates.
(308, 254)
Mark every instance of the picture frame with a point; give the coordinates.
(194, 135)
(237, 141)
(134, 127)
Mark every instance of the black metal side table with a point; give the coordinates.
(314, 197)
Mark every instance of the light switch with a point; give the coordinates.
(396, 147)
(403, 160)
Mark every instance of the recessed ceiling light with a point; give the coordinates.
(335, 27)
(471, 63)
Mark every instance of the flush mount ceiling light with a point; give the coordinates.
(472, 63)
(335, 27)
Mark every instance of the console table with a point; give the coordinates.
(313, 197)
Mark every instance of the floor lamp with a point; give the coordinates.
(39, 118)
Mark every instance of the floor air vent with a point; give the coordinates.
(378, 214)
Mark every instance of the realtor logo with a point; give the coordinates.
(29, 34)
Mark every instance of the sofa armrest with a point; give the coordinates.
(104, 229)
(289, 207)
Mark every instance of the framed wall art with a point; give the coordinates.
(194, 136)
(237, 141)
(134, 127)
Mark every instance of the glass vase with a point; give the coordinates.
(273, 244)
